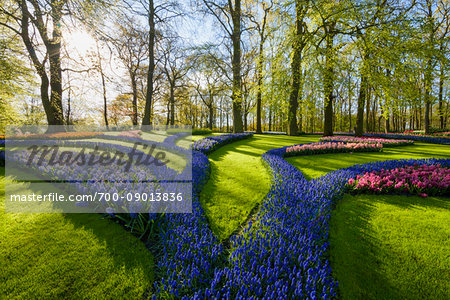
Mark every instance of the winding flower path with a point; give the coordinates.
(239, 181)
(250, 250)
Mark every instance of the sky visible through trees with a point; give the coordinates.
(292, 66)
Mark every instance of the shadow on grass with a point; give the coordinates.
(413, 201)
(124, 248)
(82, 252)
(353, 260)
(377, 251)
(237, 185)
(229, 199)
(258, 145)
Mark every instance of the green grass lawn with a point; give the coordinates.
(391, 247)
(387, 247)
(73, 256)
(382, 247)
(239, 181)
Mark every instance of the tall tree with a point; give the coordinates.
(299, 42)
(147, 119)
(228, 14)
(155, 13)
(436, 28)
(174, 67)
(328, 80)
(130, 41)
(260, 27)
(44, 19)
(40, 25)
(101, 70)
(208, 80)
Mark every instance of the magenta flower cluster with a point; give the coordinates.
(332, 147)
(369, 140)
(422, 180)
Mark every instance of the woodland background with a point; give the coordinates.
(291, 66)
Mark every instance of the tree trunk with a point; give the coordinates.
(245, 121)
(446, 115)
(349, 108)
(387, 124)
(427, 98)
(386, 109)
(260, 70)
(361, 101)
(292, 128)
(68, 122)
(426, 120)
(300, 101)
(367, 110)
(220, 114)
(428, 76)
(440, 98)
(134, 119)
(270, 119)
(260, 81)
(147, 120)
(54, 54)
(211, 115)
(168, 114)
(52, 103)
(236, 66)
(172, 104)
(259, 92)
(341, 119)
(105, 105)
(328, 82)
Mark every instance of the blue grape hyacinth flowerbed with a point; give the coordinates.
(284, 253)
(191, 252)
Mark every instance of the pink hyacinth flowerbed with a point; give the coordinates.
(332, 147)
(423, 180)
(131, 133)
(370, 140)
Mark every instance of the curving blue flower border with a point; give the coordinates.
(191, 251)
(284, 253)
